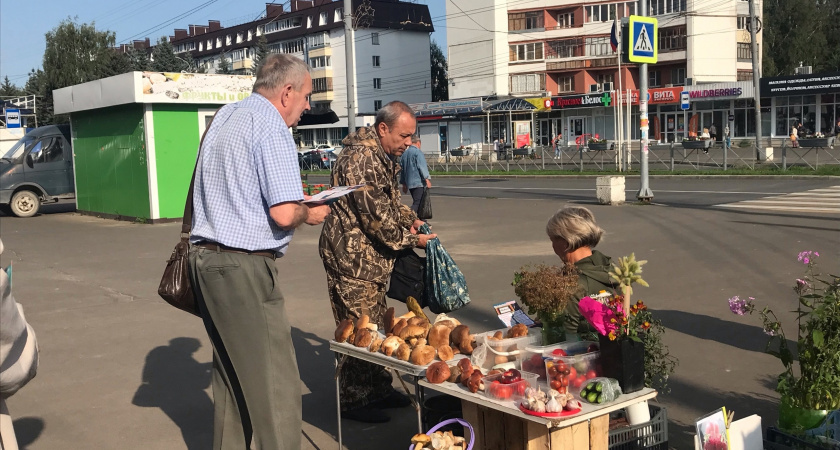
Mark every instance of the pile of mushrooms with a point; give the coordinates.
(410, 337)
(438, 440)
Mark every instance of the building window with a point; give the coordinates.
(280, 25)
(377, 105)
(566, 83)
(566, 20)
(525, 21)
(678, 77)
(660, 7)
(209, 44)
(191, 45)
(260, 30)
(228, 40)
(654, 78)
(375, 61)
(564, 48)
(374, 38)
(744, 52)
(745, 75)
(530, 82)
(201, 46)
(672, 39)
(293, 46)
(322, 19)
(322, 85)
(599, 46)
(250, 34)
(318, 40)
(526, 52)
(319, 62)
(377, 83)
(339, 15)
(743, 22)
(308, 21)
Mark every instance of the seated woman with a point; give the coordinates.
(574, 234)
(705, 134)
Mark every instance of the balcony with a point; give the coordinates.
(585, 63)
(242, 64)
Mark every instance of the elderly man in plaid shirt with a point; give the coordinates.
(247, 204)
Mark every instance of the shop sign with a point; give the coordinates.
(800, 85)
(715, 93)
(581, 101)
(166, 87)
(523, 133)
(656, 96)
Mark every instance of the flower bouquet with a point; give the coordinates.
(546, 291)
(806, 399)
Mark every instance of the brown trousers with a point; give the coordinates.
(361, 382)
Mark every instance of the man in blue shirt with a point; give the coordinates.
(415, 172)
(247, 203)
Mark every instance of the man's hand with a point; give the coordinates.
(424, 239)
(415, 227)
(404, 189)
(429, 183)
(317, 214)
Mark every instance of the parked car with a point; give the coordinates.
(36, 170)
(316, 160)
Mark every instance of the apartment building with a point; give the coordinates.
(391, 51)
(561, 48)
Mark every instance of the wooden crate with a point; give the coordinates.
(495, 430)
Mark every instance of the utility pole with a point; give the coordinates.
(350, 65)
(645, 194)
(756, 70)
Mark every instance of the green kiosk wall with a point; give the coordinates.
(176, 131)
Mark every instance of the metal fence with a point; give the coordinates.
(661, 157)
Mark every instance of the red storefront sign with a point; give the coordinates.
(656, 96)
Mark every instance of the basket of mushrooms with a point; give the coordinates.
(439, 440)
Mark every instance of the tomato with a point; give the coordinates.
(561, 390)
(572, 373)
(564, 381)
(559, 352)
(552, 371)
(590, 374)
(521, 387)
(504, 391)
(561, 366)
(556, 385)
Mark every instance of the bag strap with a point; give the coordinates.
(186, 222)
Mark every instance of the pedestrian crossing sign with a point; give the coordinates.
(643, 45)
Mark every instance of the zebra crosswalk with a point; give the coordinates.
(823, 200)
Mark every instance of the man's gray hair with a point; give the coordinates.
(415, 138)
(279, 70)
(390, 113)
(575, 225)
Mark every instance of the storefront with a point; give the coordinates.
(813, 100)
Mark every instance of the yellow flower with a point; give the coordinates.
(613, 320)
(646, 325)
(612, 335)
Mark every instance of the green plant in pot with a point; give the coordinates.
(632, 348)
(809, 393)
(546, 291)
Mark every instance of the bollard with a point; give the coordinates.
(725, 156)
(610, 190)
(672, 157)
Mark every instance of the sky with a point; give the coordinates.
(23, 23)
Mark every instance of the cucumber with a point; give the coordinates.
(590, 387)
(598, 387)
(592, 397)
(599, 398)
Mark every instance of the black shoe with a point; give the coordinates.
(393, 400)
(366, 414)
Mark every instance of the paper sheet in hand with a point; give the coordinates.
(511, 314)
(332, 194)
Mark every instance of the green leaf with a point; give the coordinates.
(817, 335)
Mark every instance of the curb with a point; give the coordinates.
(695, 177)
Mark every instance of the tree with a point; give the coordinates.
(224, 66)
(796, 31)
(7, 89)
(120, 63)
(164, 59)
(190, 65)
(440, 76)
(261, 52)
(139, 59)
(74, 53)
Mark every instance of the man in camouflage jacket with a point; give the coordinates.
(359, 242)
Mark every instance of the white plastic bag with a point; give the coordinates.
(600, 390)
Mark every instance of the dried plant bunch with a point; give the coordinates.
(545, 289)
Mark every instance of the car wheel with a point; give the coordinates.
(25, 204)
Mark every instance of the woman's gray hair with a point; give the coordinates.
(576, 225)
(279, 70)
(390, 113)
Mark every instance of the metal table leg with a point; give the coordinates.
(338, 401)
(419, 393)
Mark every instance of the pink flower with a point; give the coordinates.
(741, 307)
(807, 256)
(598, 315)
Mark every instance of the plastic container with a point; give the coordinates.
(571, 372)
(505, 392)
(503, 350)
(534, 356)
(652, 435)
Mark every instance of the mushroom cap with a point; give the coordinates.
(422, 355)
(445, 353)
(390, 345)
(403, 352)
(517, 330)
(474, 382)
(438, 372)
(458, 334)
(412, 332)
(421, 439)
(454, 374)
(439, 335)
(402, 323)
(344, 330)
(363, 338)
(389, 320)
(376, 344)
(363, 321)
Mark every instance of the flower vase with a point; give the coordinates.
(797, 420)
(624, 360)
(553, 330)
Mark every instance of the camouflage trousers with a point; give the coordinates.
(361, 382)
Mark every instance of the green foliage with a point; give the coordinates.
(261, 52)
(164, 58)
(659, 363)
(7, 89)
(800, 31)
(546, 290)
(224, 66)
(440, 75)
(139, 59)
(120, 63)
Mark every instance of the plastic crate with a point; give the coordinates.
(534, 356)
(649, 435)
(517, 390)
(777, 439)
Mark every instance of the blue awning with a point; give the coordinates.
(449, 108)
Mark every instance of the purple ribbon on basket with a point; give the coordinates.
(464, 423)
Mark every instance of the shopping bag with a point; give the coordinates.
(408, 277)
(445, 287)
(424, 212)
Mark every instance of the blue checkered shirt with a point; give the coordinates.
(248, 163)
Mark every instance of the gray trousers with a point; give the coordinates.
(256, 384)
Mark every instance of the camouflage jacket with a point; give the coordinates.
(366, 229)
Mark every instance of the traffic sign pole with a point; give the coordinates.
(645, 194)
